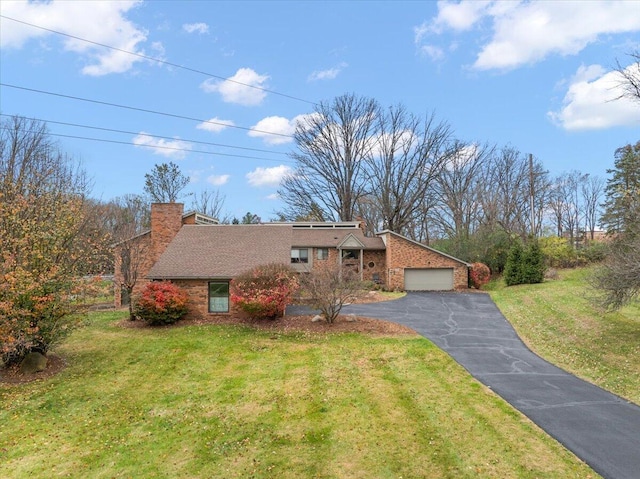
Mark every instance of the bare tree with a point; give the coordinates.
(209, 203)
(329, 287)
(129, 217)
(333, 145)
(407, 159)
(592, 190)
(459, 189)
(165, 183)
(505, 199)
(566, 205)
(630, 78)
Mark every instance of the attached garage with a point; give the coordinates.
(428, 279)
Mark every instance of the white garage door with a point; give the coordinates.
(428, 279)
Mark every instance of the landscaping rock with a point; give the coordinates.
(351, 318)
(33, 363)
(317, 318)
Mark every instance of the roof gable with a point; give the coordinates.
(381, 233)
(350, 241)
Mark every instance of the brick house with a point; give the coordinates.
(202, 257)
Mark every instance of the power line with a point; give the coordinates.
(152, 136)
(158, 60)
(172, 148)
(144, 110)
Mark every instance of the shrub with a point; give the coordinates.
(329, 287)
(513, 268)
(161, 302)
(265, 291)
(558, 252)
(594, 252)
(479, 275)
(35, 314)
(533, 267)
(524, 266)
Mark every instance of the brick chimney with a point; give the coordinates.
(166, 221)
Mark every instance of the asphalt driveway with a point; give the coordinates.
(600, 428)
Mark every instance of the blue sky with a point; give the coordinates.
(537, 76)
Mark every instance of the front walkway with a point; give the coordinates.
(600, 428)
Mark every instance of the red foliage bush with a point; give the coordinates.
(265, 291)
(161, 302)
(480, 274)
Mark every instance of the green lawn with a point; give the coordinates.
(226, 401)
(557, 320)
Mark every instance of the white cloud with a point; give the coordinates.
(244, 88)
(169, 148)
(196, 28)
(528, 32)
(433, 52)
(456, 16)
(273, 196)
(215, 125)
(101, 22)
(218, 180)
(268, 176)
(329, 74)
(276, 130)
(593, 102)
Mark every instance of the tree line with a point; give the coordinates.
(358, 160)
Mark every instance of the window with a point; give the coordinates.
(299, 255)
(323, 253)
(350, 254)
(219, 297)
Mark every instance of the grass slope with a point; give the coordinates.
(557, 320)
(226, 401)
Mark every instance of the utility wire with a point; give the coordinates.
(152, 136)
(158, 60)
(116, 105)
(173, 148)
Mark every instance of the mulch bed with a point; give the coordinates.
(12, 374)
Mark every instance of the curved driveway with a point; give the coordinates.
(600, 428)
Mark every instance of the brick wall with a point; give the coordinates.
(198, 291)
(166, 221)
(402, 253)
(373, 262)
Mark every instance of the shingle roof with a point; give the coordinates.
(332, 237)
(222, 251)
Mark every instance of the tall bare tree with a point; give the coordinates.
(333, 145)
(506, 197)
(459, 189)
(408, 157)
(566, 204)
(129, 217)
(209, 203)
(592, 190)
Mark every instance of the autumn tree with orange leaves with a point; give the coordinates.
(48, 237)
